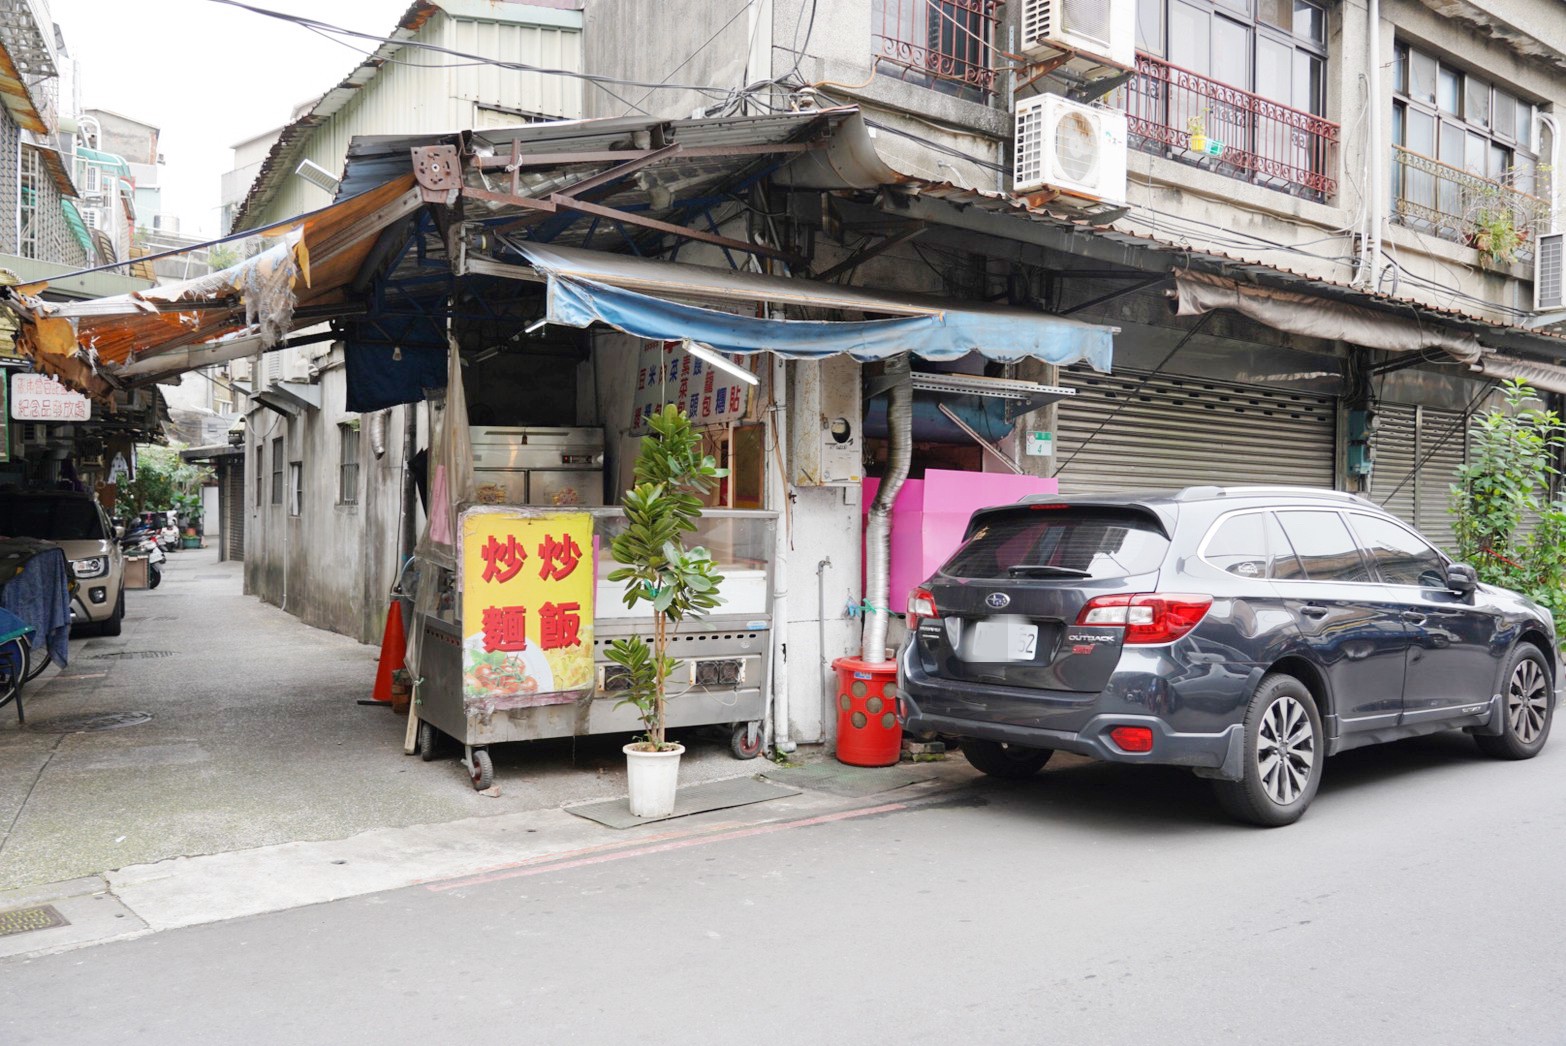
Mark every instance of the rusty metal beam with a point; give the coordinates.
(515, 201)
(641, 221)
(618, 172)
(624, 155)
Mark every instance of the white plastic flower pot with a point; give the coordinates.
(654, 776)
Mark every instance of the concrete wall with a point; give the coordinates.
(332, 565)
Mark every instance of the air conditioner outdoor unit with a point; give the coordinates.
(1548, 292)
(239, 370)
(1073, 148)
(1096, 33)
(295, 366)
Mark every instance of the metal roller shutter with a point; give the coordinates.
(1397, 452)
(1418, 453)
(1177, 432)
(233, 495)
(1443, 449)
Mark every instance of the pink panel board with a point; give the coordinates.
(930, 515)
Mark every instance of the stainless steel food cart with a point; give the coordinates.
(721, 680)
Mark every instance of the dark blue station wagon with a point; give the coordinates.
(1247, 633)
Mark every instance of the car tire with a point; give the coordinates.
(1527, 709)
(111, 624)
(1012, 762)
(1285, 748)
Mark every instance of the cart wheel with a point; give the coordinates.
(482, 771)
(740, 743)
(429, 741)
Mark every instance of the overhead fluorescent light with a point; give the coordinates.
(728, 366)
(318, 176)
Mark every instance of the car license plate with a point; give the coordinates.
(1006, 639)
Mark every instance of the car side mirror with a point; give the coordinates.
(1461, 578)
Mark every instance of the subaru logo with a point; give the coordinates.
(998, 600)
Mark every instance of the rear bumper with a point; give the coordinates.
(1220, 755)
(1082, 722)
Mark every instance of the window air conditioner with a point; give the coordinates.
(1098, 33)
(1070, 147)
(1548, 292)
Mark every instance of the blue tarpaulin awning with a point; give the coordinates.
(637, 296)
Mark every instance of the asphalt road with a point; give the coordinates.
(1418, 902)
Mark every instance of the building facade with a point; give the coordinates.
(320, 478)
(1396, 158)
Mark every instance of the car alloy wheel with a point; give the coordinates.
(1527, 700)
(1285, 750)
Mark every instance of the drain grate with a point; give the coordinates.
(26, 920)
(131, 655)
(86, 724)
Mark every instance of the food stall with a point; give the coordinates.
(512, 642)
(514, 611)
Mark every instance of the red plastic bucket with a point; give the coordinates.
(868, 733)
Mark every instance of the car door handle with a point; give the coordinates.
(1313, 610)
(1413, 617)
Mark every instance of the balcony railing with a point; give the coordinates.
(1176, 113)
(1458, 205)
(944, 44)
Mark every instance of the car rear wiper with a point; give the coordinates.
(1046, 570)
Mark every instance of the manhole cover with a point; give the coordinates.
(26, 920)
(85, 724)
(131, 655)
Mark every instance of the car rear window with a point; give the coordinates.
(1104, 543)
(51, 519)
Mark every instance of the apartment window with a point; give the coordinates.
(941, 44)
(277, 471)
(295, 487)
(1238, 87)
(1465, 150)
(348, 466)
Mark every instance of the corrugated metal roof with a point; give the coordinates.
(294, 138)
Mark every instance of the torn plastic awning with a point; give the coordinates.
(1548, 376)
(1316, 317)
(636, 296)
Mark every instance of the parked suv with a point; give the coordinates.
(78, 525)
(1247, 633)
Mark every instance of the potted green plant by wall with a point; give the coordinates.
(671, 477)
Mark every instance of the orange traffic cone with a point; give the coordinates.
(394, 649)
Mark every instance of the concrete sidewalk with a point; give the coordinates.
(246, 733)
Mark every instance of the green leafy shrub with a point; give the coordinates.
(671, 477)
(1513, 450)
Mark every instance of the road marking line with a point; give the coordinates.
(641, 851)
(596, 848)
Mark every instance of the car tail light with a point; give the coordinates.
(1147, 617)
(921, 607)
(1132, 738)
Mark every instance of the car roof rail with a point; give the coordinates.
(1324, 493)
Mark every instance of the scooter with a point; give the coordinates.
(143, 541)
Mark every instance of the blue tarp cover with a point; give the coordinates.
(1003, 334)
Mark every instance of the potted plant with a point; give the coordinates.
(671, 476)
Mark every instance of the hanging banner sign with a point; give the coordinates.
(527, 608)
(665, 373)
(38, 397)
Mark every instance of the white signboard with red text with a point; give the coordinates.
(38, 397)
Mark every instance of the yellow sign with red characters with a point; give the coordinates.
(527, 606)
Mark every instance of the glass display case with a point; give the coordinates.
(740, 542)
